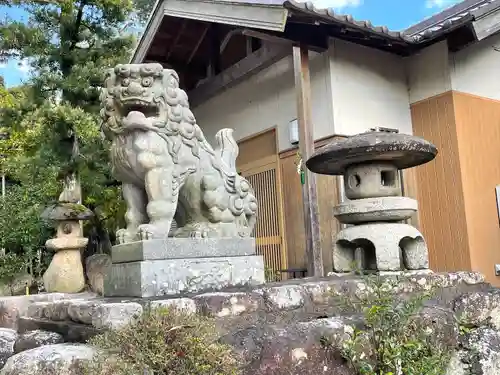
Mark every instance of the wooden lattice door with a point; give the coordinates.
(262, 171)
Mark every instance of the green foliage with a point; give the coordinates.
(51, 123)
(20, 226)
(6, 99)
(163, 341)
(392, 342)
(11, 266)
(143, 9)
(271, 275)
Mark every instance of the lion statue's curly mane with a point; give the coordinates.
(169, 172)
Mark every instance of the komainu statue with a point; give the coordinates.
(168, 169)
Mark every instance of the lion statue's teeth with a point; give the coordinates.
(162, 158)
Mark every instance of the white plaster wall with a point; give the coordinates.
(354, 88)
(476, 69)
(369, 89)
(428, 72)
(266, 100)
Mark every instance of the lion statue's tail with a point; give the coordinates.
(243, 202)
(227, 148)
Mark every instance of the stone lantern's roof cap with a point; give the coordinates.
(402, 150)
(64, 211)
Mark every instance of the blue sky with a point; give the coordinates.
(395, 14)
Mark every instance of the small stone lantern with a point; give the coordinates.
(377, 237)
(65, 273)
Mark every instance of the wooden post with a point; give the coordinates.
(306, 146)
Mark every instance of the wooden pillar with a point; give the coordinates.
(306, 147)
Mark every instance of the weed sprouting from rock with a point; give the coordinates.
(392, 337)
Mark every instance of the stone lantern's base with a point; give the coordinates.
(65, 272)
(381, 247)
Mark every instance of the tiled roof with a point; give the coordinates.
(430, 28)
(447, 19)
(347, 20)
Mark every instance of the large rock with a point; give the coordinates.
(8, 338)
(295, 349)
(11, 308)
(286, 297)
(34, 339)
(479, 354)
(58, 310)
(115, 315)
(97, 266)
(186, 305)
(228, 304)
(439, 326)
(58, 359)
(479, 308)
(82, 311)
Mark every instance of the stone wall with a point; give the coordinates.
(276, 327)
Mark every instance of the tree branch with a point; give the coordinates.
(78, 22)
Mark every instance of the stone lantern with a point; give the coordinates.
(65, 273)
(377, 237)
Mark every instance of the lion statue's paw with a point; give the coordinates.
(124, 236)
(150, 231)
(201, 233)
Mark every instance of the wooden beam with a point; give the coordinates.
(177, 38)
(227, 38)
(198, 44)
(252, 64)
(197, 69)
(248, 45)
(315, 39)
(267, 37)
(215, 66)
(314, 255)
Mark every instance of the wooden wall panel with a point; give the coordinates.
(258, 161)
(439, 185)
(257, 147)
(478, 129)
(293, 213)
(328, 196)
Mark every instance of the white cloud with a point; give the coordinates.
(440, 4)
(336, 4)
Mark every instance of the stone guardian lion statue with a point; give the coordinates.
(167, 168)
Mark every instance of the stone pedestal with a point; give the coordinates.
(182, 265)
(65, 272)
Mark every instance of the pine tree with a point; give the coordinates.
(53, 127)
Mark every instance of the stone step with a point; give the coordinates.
(276, 327)
(305, 300)
(16, 306)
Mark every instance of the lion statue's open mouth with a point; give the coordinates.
(167, 167)
(139, 114)
(148, 109)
